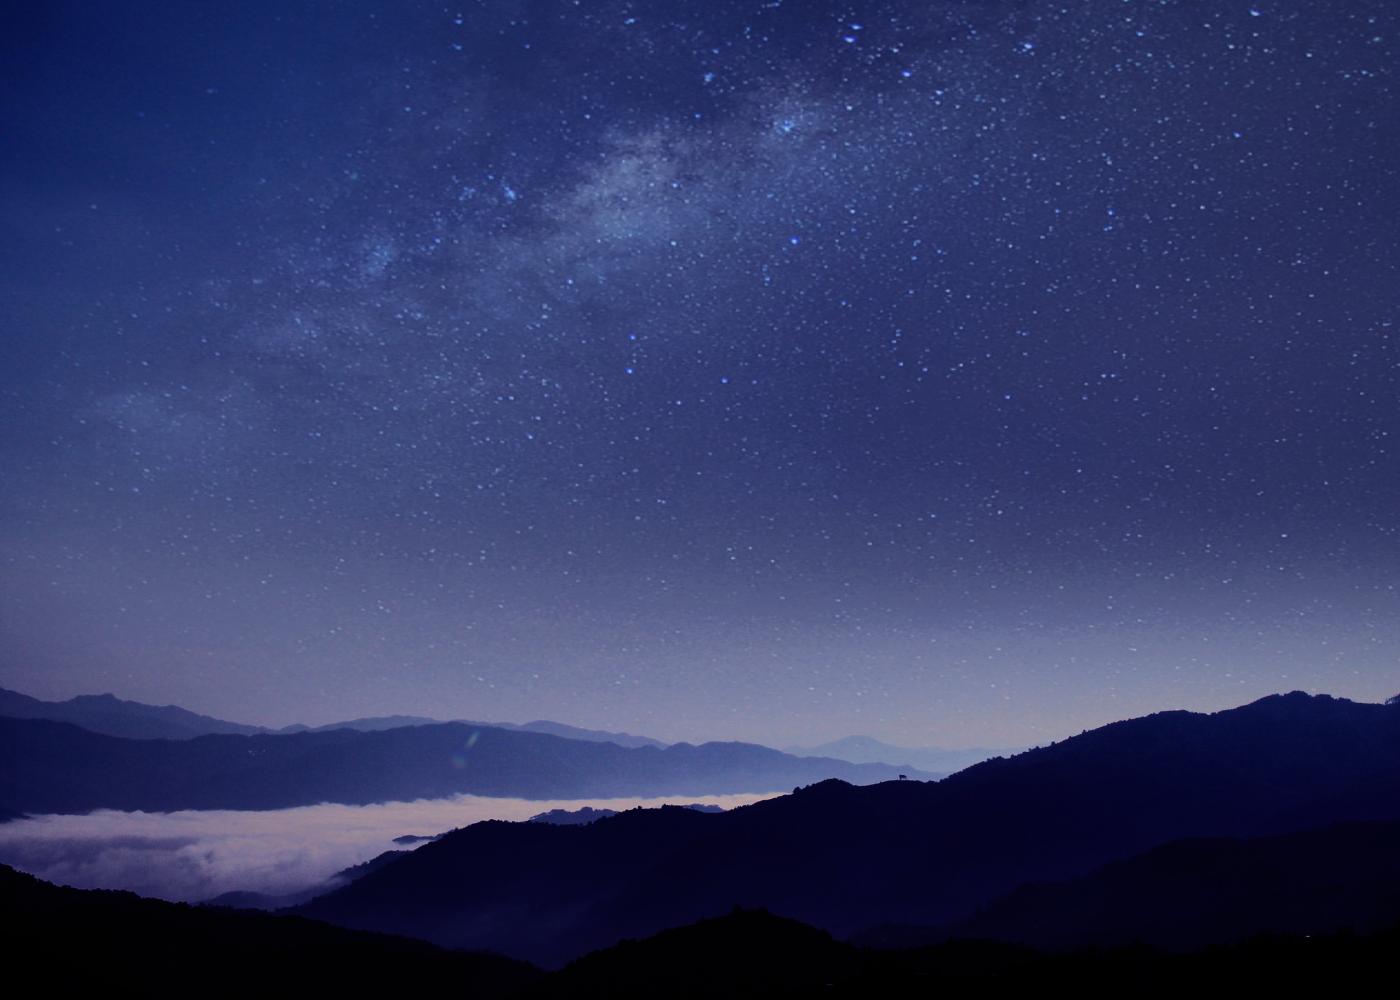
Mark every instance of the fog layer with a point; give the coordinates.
(195, 855)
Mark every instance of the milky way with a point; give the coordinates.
(954, 372)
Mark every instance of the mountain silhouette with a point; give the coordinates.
(107, 714)
(413, 839)
(567, 817)
(588, 814)
(57, 767)
(846, 858)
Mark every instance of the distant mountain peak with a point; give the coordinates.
(1292, 703)
(861, 749)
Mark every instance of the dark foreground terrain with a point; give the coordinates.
(121, 942)
(118, 942)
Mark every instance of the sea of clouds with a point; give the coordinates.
(196, 855)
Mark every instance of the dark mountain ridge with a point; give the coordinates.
(56, 767)
(844, 858)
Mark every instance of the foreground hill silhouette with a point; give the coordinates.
(115, 940)
(56, 767)
(119, 942)
(750, 953)
(1191, 894)
(846, 859)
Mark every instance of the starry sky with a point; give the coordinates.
(956, 372)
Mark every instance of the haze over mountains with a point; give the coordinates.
(847, 859)
(59, 767)
(868, 750)
(560, 729)
(114, 716)
(106, 713)
(99, 751)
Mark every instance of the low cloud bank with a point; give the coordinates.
(195, 855)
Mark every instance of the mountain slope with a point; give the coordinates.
(54, 767)
(844, 858)
(1193, 893)
(107, 714)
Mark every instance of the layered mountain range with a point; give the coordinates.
(113, 716)
(846, 859)
(59, 767)
(1178, 830)
(106, 713)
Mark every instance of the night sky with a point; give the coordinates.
(960, 373)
